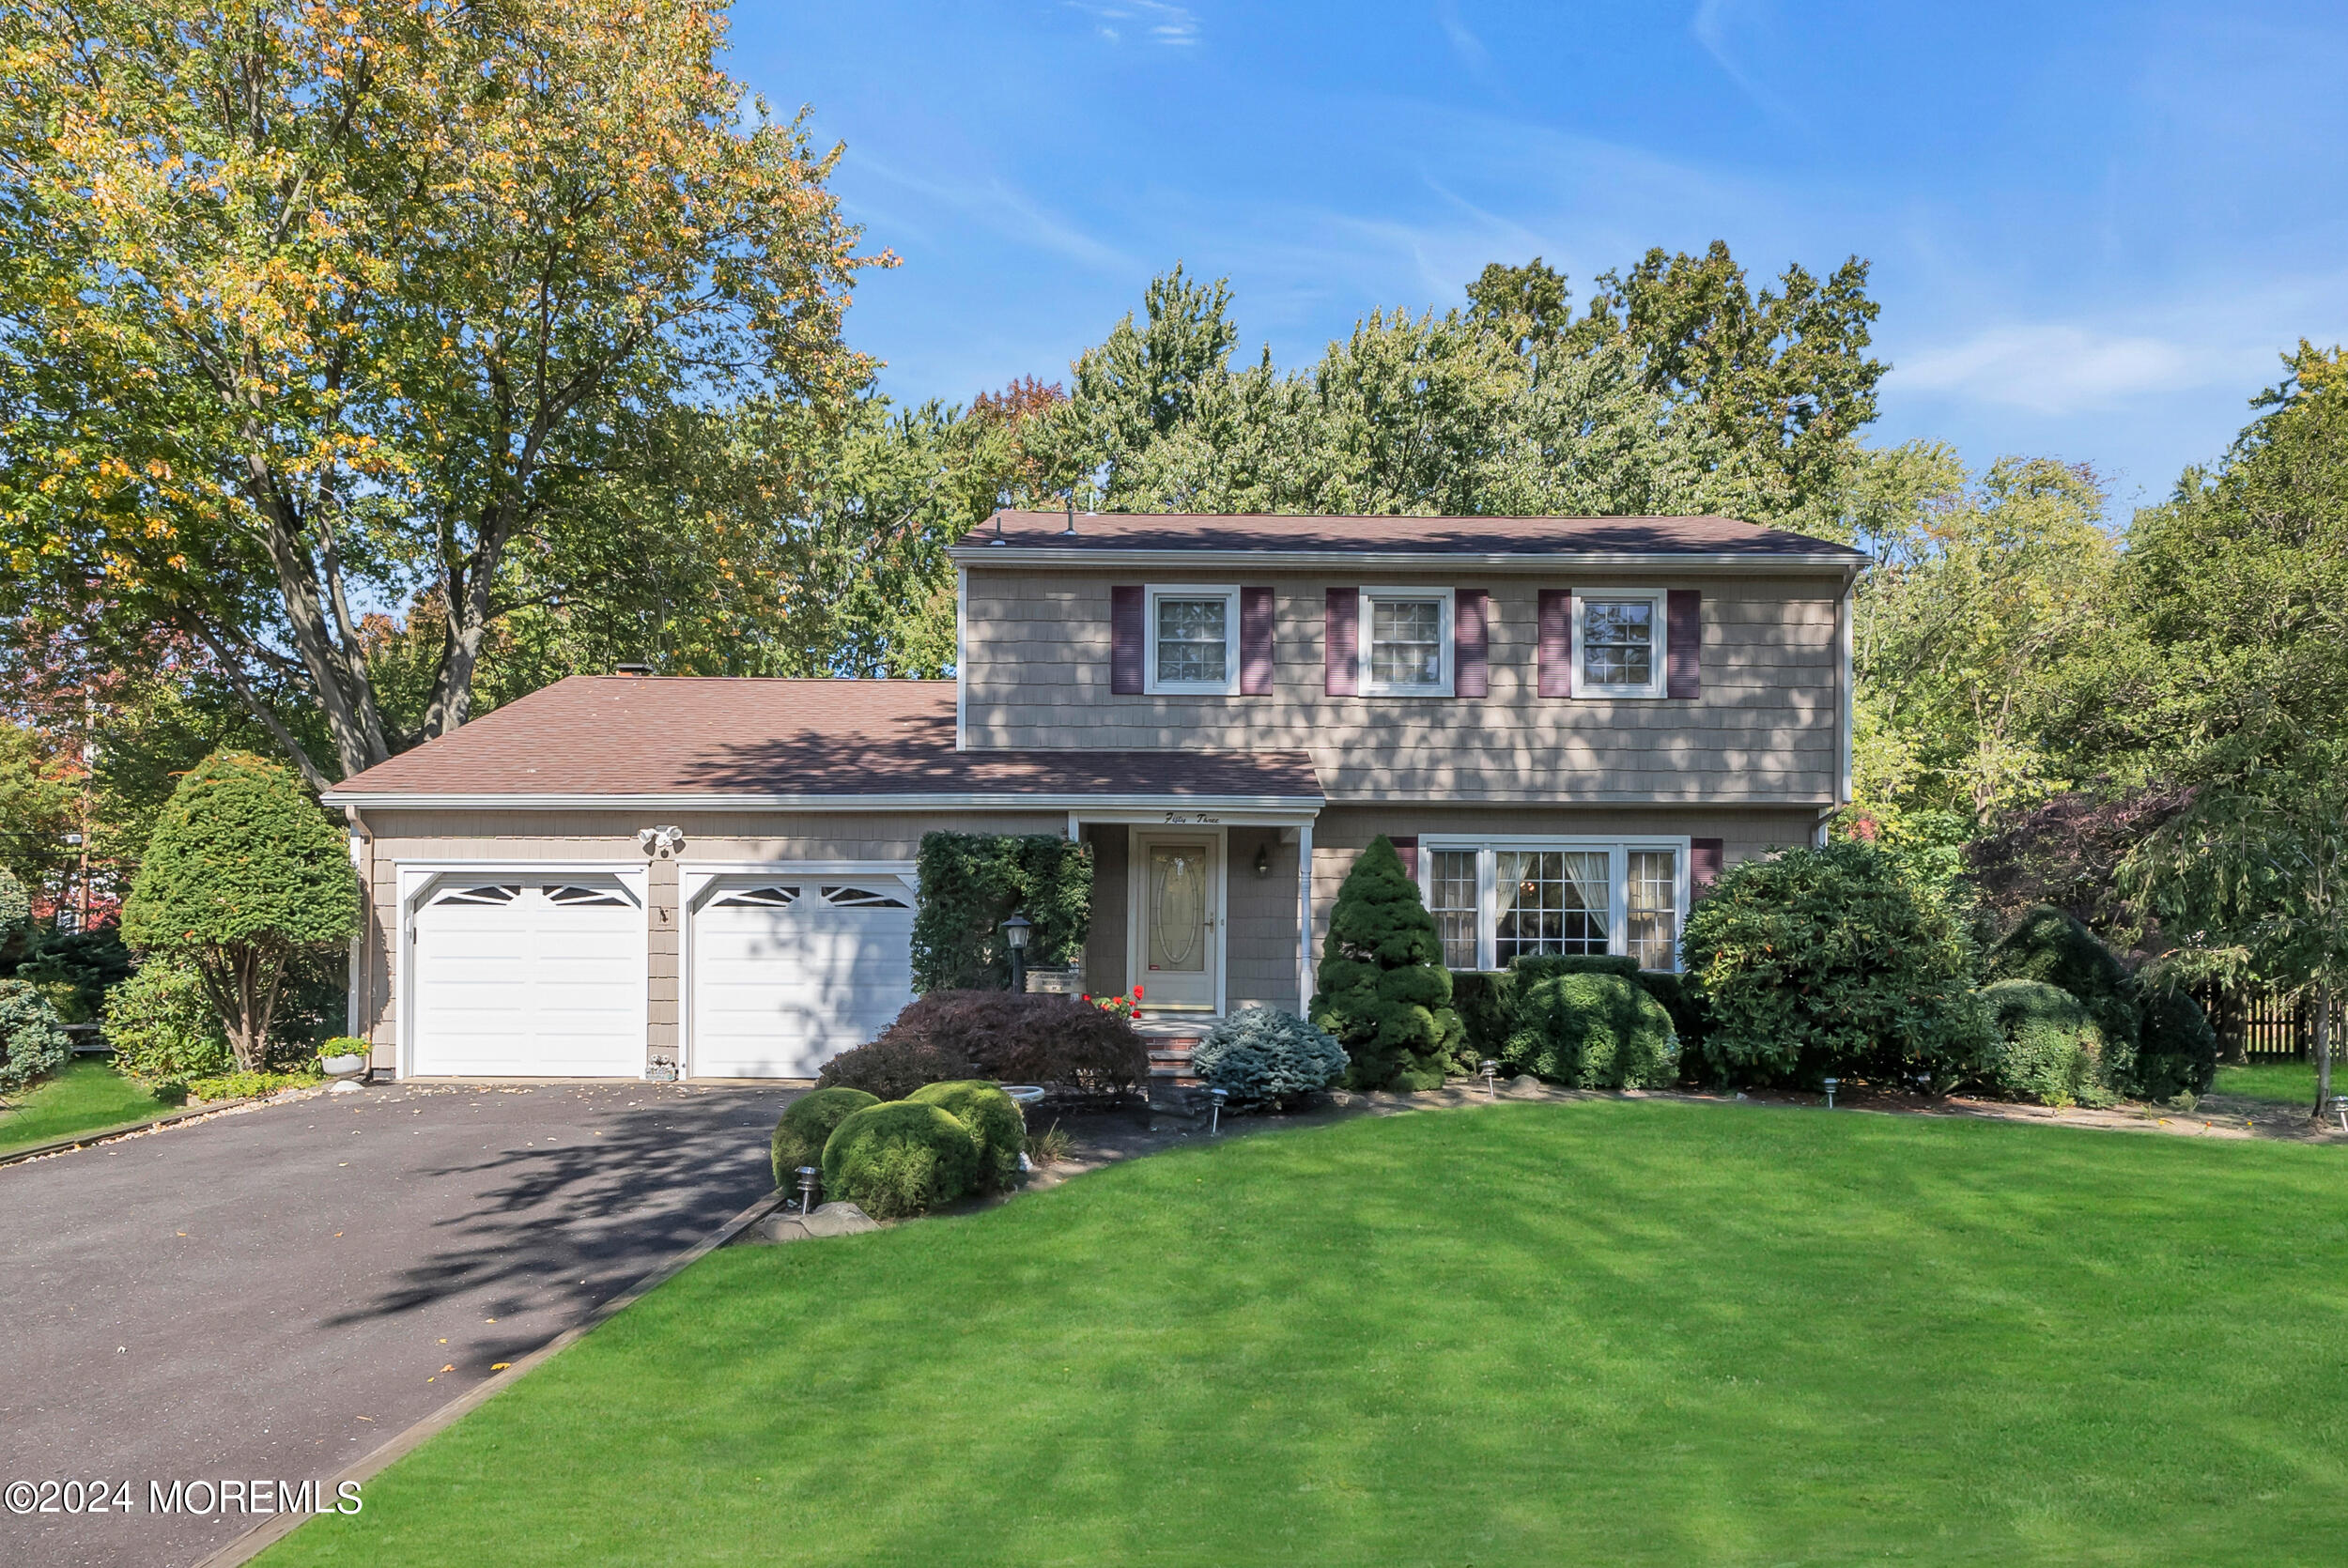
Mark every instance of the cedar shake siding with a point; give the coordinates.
(1761, 724)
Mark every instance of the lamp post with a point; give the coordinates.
(1490, 1069)
(1015, 932)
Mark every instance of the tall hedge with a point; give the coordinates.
(243, 872)
(1383, 990)
(972, 882)
(1836, 960)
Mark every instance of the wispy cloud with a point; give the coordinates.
(1006, 211)
(2057, 368)
(1148, 21)
(1713, 21)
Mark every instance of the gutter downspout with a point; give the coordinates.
(360, 1016)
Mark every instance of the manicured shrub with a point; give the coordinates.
(900, 1159)
(806, 1125)
(893, 1066)
(1262, 1056)
(244, 1085)
(1383, 991)
(972, 882)
(2179, 1053)
(2049, 946)
(1836, 960)
(1594, 1031)
(1487, 1003)
(32, 1040)
(243, 873)
(163, 1027)
(2053, 1050)
(993, 1118)
(950, 1034)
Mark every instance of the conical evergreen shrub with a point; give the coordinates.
(1383, 991)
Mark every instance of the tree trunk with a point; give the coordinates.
(2323, 1048)
(243, 984)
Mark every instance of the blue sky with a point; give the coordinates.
(2092, 226)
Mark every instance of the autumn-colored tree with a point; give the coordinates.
(305, 300)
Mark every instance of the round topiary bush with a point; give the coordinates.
(2053, 1050)
(1262, 1056)
(1593, 1031)
(993, 1118)
(2055, 948)
(806, 1125)
(899, 1159)
(32, 1040)
(163, 1027)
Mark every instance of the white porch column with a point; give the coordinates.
(1305, 917)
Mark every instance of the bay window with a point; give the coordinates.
(1496, 900)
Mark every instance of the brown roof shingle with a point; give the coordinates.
(683, 736)
(1108, 531)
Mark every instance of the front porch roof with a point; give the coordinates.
(730, 743)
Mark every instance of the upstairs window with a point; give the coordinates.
(1619, 638)
(1406, 642)
(1194, 640)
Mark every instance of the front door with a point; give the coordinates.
(1178, 886)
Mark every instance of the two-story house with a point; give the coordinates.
(1568, 725)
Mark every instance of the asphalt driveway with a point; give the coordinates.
(272, 1294)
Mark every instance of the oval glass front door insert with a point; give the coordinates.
(1178, 907)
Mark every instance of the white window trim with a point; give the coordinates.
(1362, 621)
(1617, 876)
(1229, 685)
(1661, 669)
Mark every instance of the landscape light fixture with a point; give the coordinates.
(1490, 1069)
(1015, 932)
(2339, 1105)
(807, 1174)
(1831, 1084)
(1215, 1123)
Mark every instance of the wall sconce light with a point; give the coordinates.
(1263, 860)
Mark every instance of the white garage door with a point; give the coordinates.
(530, 978)
(788, 974)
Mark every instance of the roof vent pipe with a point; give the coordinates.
(1071, 530)
(999, 528)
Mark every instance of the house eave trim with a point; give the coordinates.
(1424, 561)
(1052, 800)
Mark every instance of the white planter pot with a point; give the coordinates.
(350, 1066)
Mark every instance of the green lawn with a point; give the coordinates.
(82, 1095)
(2292, 1082)
(1606, 1333)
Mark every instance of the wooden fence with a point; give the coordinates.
(2262, 1026)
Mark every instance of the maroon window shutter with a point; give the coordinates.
(1556, 642)
(1704, 865)
(1126, 642)
(1406, 845)
(1683, 639)
(1470, 645)
(1345, 609)
(1255, 641)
